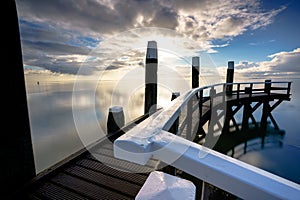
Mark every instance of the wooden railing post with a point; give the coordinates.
(238, 91)
(151, 78)
(200, 103)
(289, 88)
(189, 119)
(246, 115)
(251, 89)
(265, 112)
(267, 88)
(212, 94)
(174, 127)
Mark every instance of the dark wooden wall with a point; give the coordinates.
(16, 154)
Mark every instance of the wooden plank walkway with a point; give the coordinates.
(95, 174)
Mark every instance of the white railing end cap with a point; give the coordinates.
(132, 150)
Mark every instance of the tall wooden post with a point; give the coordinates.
(195, 72)
(17, 158)
(229, 77)
(151, 78)
(115, 120)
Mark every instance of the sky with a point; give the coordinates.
(67, 38)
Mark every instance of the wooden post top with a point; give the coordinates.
(195, 61)
(151, 50)
(116, 109)
(230, 64)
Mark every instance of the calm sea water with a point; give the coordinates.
(56, 133)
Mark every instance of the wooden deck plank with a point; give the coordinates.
(120, 164)
(54, 192)
(135, 178)
(105, 181)
(90, 190)
(152, 163)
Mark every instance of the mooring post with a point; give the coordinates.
(115, 120)
(229, 77)
(195, 71)
(151, 78)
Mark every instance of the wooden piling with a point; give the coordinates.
(195, 71)
(151, 78)
(115, 120)
(246, 115)
(265, 112)
(229, 77)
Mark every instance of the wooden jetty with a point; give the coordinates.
(100, 172)
(95, 173)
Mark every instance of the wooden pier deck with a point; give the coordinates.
(92, 173)
(96, 174)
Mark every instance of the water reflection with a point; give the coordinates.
(55, 132)
(52, 127)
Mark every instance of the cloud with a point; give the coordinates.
(51, 28)
(282, 63)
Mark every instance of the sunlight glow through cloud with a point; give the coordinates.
(71, 29)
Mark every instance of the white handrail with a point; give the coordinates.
(229, 174)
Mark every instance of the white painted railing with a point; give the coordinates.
(151, 139)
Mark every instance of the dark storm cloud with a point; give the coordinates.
(89, 15)
(51, 48)
(52, 28)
